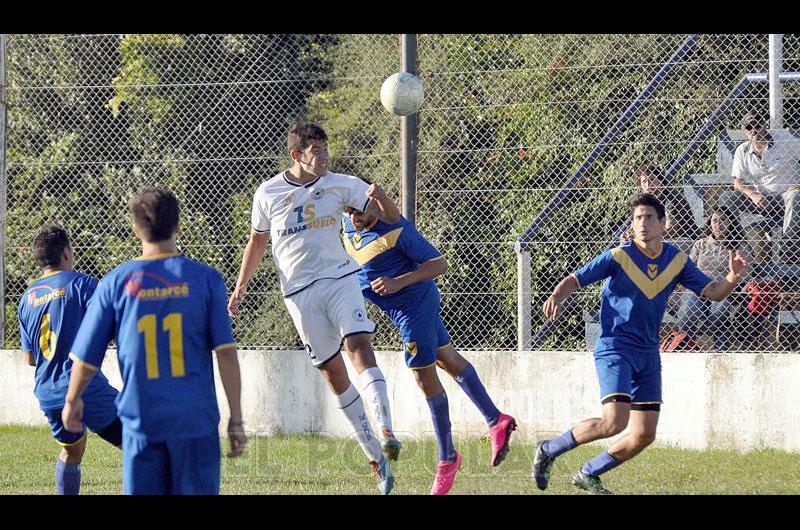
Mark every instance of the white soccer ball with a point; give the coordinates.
(402, 94)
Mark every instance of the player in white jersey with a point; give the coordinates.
(300, 210)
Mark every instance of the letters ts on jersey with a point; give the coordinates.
(167, 313)
(634, 298)
(303, 222)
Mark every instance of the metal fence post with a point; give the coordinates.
(3, 122)
(523, 300)
(408, 136)
(775, 88)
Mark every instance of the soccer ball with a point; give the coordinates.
(402, 94)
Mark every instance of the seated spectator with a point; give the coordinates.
(680, 219)
(766, 181)
(699, 316)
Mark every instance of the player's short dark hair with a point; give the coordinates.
(302, 134)
(156, 213)
(48, 245)
(648, 199)
(647, 169)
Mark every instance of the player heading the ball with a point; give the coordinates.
(167, 312)
(299, 210)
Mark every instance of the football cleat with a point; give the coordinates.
(384, 475)
(542, 466)
(590, 483)
(445, 476)
(500, 435)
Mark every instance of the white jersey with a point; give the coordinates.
(303, 222)
(772, 172)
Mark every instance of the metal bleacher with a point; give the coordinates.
(702, 191)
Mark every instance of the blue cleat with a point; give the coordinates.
(384, 475)
(589, 483)
(542, 466)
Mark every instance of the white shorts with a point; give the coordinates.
(325, 313)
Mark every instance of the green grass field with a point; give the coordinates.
(316, 465)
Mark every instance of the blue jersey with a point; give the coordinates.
(167, 312)
(635, 296)
(389, 250)
(50, 314)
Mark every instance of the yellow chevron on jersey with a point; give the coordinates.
(650, 287)
(374, 248)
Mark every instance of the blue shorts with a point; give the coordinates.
(99, 411)
(174, 467)
(422, 330)
(630, 377)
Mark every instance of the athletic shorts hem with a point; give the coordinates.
(319, 364)
(423, 367)
(620, 397)
(645, 406)
(360, 332)
(71, 444)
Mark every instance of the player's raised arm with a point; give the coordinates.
(253, 254)
(381, 206)
(552, 306)
(737, 267)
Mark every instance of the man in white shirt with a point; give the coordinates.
(766, 180)
(300, 210)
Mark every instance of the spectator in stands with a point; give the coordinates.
(766, 181)
(700, 316)
(680, 219)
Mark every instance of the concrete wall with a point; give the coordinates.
(722, 401)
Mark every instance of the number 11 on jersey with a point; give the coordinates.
(172, 324)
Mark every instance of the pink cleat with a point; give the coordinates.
(445, 476)
(500, 435)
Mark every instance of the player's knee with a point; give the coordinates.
(335, 373)
(643, 439)
(359, 348)
(449, 360)
(428, 381)
(73, 454)
(613, 426)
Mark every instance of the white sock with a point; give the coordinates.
(350, 403)
(373, 385)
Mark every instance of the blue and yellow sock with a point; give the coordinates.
(471, 384)
(440, 414)
(600, 464)
(562, 444)
(68, 478)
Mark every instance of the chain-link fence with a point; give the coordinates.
(510, 124)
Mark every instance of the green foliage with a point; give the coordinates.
(508, 119)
